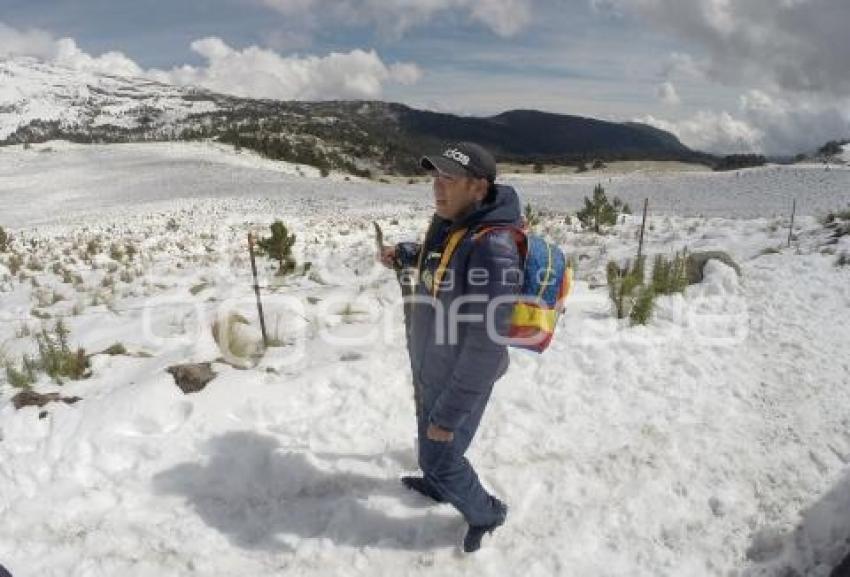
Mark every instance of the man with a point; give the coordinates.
(469, 258)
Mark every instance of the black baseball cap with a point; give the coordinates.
(462, 159)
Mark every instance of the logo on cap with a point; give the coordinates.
(457, 156)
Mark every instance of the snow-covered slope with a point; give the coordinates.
(714, 441)
(32, 90)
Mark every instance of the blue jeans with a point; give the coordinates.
(451, 474)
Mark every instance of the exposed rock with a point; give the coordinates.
(33, 399)
(696, 263)
(839, 229)
(192, 377)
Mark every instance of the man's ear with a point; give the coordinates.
(482, 187)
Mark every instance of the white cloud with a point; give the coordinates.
(15, 42)
(64, 51)
(797, 45)
(394, 17)
(712, 132)
(763, 123)
(787, 57)
(682, 65)
(251, 72)
(260, 73)
(67, 53)
(667, 94)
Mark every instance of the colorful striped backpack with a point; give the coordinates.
(547, 282)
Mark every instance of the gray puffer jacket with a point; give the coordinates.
(454, 360)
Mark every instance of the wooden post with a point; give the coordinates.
(791, 228)
(642, 228)
(257, 290)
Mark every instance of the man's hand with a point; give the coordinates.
(439, 434)
(387, 256)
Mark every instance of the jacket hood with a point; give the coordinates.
(500, 207)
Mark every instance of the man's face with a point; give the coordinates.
(454, 195)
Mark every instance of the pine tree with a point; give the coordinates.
(599, 211)
(4, 240)
(279, 247)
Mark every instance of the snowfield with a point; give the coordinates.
(713, 441)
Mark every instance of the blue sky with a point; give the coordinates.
(662, 61)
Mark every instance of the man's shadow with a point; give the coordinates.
(261, 497)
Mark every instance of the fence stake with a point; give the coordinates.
(257, 290)
(642, 227)
(791, 228)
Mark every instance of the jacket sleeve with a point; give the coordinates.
(481, 360)
(407, 254)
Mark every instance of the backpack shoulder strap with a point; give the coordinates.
(451, 244)
(519, 234)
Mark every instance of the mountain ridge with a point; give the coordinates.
(41, 101)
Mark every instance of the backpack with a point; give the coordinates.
(547, 282)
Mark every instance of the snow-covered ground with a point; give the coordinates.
(713, 441)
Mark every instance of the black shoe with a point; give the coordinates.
(472, 541)
(422, 487)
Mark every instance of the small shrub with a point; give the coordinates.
(39, 314)
(669, 276)
(16, 262)
(24, 377)
(643, 306)
(279, 247)
(599, 211)
(92, 248)
(56, 357)
(532, 217)
(171, 225)
(116, 252)
(116, 349)
(843, 259)
(623, 283)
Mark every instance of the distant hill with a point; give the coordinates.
(40, 101)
